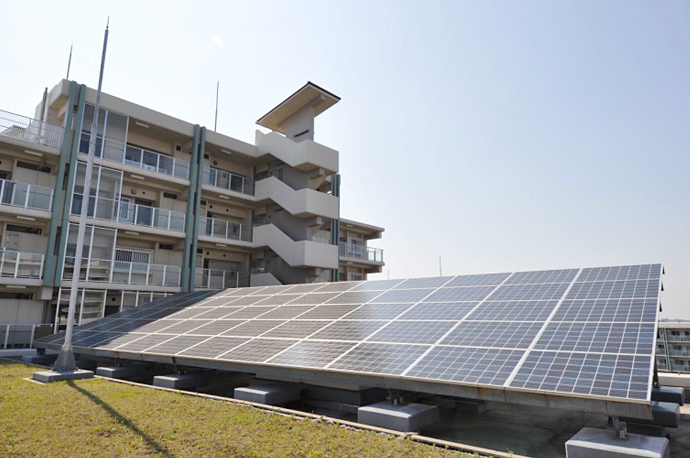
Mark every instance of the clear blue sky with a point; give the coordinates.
(502, 135)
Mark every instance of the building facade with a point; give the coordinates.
(673, 346)
(173, 206)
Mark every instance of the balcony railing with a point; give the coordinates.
(228, 180)
(672, 338)
(681, 353)
(225, 229)
(679, 368)
(29, 129)
(115, 151)
(24, 195)
(356, 251)
(18, 335)
(123, 272)
(216, 279)
(20, 264)
(127, 212)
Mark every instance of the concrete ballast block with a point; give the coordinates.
(271, 394)
(41, 360)
(404, 417)
(600, 443)
(669, 394)
(53, 376)
(179, 381)
(115, 371)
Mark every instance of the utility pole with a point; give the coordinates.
(65, 361)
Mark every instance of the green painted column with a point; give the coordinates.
(189, 257)
(58, 192)
(335, 225)
(72, 175)
(197, 206)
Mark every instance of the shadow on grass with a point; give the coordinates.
(122, 420)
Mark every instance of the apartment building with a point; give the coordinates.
(673, 346)
(173, 207)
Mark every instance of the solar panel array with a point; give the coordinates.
(587, 332)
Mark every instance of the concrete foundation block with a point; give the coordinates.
(53, 376)
(268, 393)
(179, 381)
(353, 397)
(41, 360)
(121, 372)
(86, 364)
(470, 406)
(405, 417)
(669, 394)
(14, 352)
(599, 443)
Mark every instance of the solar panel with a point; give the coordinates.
(571, 332)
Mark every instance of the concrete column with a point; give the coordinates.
(74, 151)
(58, 194)
(189, 255)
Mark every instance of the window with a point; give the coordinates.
(165, 246)
(36, 167)
(170, 195)
(24, 229)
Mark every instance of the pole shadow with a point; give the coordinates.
(123, 420)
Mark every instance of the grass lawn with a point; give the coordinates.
(96, 417)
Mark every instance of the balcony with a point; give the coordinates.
(125, 273)
(24, 195)
(114, 151)
(225, 229)
(18, 335)
(126, 212)
(20, 264)
(30, 130)
(672, 338)
(216, 279)
(363, 253)
(227, 180)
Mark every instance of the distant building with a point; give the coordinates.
(673, 346)
(174, 206)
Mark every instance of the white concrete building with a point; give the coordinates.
(174, 206)
(673, 346)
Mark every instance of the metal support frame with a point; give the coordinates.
(335, 224)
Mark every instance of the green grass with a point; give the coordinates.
(97, 417)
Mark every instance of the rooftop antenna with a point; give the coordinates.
(65, 360)
(69, 61)
(215, 124)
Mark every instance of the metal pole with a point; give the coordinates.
(440, 267)
(65, 361)
(215, 124)
(69, 61)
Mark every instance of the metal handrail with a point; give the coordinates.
(127, 212)
(25, 195)
(29, 129)
(225, 229)
(124, 272)
(351, 250)
(124, 153)
(670, 338)
(21, 264)
(216, 278)
(228, 180)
